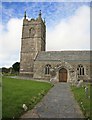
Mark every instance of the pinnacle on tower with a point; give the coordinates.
(39, 17)
(40, 13)
(25, 15)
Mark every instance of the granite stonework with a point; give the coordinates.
(34, 58)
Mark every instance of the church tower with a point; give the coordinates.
(32, 42)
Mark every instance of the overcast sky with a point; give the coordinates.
(67, 27)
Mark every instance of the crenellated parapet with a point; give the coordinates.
(32, 20)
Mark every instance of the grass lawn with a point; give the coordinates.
(83, 101)
(16, 92)
(0, 102)
(0, 96)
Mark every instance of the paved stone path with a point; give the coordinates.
(58, 103)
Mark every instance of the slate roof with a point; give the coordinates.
(63, 55)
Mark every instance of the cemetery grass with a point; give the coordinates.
(82, 99)
(16, 92)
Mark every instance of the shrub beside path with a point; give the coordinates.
(58, 103)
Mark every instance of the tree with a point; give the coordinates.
(16, 66)
(5, 70)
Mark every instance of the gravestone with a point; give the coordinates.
(53, 79)
(80, 83)
(24, 107)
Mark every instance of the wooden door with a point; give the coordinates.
(63, 75)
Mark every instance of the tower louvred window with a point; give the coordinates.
(31, 32)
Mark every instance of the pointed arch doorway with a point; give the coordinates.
(63, 75)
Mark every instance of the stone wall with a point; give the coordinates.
(69, 65)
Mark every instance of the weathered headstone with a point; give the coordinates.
(24, 107)
(53, 80)
(80, 83)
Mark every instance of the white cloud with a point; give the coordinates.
(71, 33)
(10, 39)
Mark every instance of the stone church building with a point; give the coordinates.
(62, 66)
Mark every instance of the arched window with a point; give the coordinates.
(80, 70)
(31, 32)
(47, 69)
